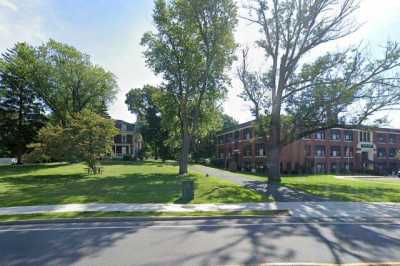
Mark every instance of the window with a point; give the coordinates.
(381, 152)
(381, 138)
(335, 134)
(334, 167)
(247, 150)
(320, 135)
(117, 139)
(123, 139)
(348, 151)
(392, 138)
(348, 166)
(320, 151)
(247, 133)
(320, 167)
(365, 136)
(335, 151)
(348, 135)
(392, 152)
(260, 149)
(123, 127)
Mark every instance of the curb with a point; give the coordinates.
(285, 213)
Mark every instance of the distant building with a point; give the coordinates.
(128, 142)
(330, 151)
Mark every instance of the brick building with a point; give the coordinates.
(331, 151)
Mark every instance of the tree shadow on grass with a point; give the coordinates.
(145, 163)
(80, 188)
(26, 169)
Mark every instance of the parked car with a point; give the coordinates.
(398, 173)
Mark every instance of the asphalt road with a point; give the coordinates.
(201, 242)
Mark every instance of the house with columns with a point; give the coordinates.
(128, 142)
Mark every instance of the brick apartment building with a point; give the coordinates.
(336, 150)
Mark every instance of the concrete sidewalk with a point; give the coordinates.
(298, 209)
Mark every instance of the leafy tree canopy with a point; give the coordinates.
(68, 82)
(192, 47)
(145, 103)
(21, 110)
(88, 137)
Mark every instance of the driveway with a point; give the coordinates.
(278, 192)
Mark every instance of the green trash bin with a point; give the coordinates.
(187, 190)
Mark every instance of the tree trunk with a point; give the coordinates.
(274, 171)
(155, 152)
(19, 154)
(184, 159)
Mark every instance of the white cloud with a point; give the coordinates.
(8, 4)
(26, 25)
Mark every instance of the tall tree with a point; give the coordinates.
(21, 111)
(145, 103)
(296, 96)
(192, 48)
(69, 82)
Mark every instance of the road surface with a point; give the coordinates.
(202, 242)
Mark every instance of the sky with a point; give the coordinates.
(110, 32)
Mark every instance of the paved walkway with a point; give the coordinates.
(279, 193)
(298, 209)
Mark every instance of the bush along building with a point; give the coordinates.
(337, 150)
(128, 143)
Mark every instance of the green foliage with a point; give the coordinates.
(88, 137)
(204, 147)
(36, 155)
(145, 103)
(68, 82)
(192, 48)
(228, 121)
(21, 110)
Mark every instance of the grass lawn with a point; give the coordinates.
(128, 182)
(72, 215)
(346, 189)
(340, 189)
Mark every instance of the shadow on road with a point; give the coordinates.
(202, 244)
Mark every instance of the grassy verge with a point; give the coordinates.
(345, 189)
(72, 215)
(126, 182)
